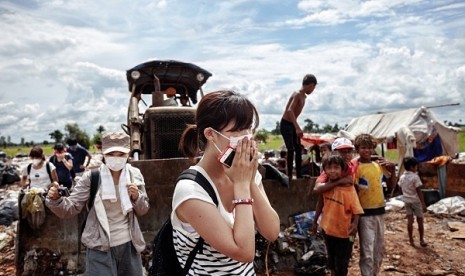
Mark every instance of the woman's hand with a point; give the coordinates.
(133, 191)
(245, 163)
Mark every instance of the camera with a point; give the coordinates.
(227, 156)
(63, 191)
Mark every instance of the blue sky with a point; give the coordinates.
(65, 61)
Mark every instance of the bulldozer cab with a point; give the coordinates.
(173, 87)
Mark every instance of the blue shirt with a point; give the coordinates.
(79, 156)
(64, 175)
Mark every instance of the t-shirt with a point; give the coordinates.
(209, 261)
(39, 178)
(64, 175)
(79, 157)
(409, 182)
(340, 205)
(370, 190)
(117, 221)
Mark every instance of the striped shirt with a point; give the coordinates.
(208, 260)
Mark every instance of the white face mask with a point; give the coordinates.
(36, 162)
(233, 140)
(115, 163)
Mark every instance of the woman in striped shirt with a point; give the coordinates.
(225, 121)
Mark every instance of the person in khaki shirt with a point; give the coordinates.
(112, 234)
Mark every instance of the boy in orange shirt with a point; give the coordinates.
(341, 212)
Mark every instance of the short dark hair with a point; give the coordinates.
(309, 79)
(410, 162)
(72, 142)
(334, 158)
(59, 147)
(216, 110)
(37, 152)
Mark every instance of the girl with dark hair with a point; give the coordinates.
(39, 173)
(341, 212)
(225, 121)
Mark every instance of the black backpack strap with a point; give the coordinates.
(202, 181)
(94, 183)
(29, 172)
(47, 166)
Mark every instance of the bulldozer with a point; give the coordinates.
(172, 87)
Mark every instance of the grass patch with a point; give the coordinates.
(462, 140)
(273, 142)
(12, 151)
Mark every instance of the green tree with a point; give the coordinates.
(262, 135)
(276, 130)
(311, 127)
(73, 131)
(3, 141)
(336, 128)
(327, 128)
(98, 136)
(57, 136)
(100, 129)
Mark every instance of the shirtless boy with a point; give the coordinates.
(290, 129)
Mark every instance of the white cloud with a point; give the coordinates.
(65, 61)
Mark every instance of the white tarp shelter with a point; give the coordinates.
(409, 127)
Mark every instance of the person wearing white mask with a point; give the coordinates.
(225, 121)
(39, 173)
(112, 234)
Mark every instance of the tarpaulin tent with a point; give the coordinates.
(416, 131)
(310, 139)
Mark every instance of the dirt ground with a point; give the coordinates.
(444, 255)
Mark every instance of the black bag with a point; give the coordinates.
(164, 259)
(9, 174)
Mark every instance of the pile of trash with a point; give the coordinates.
(296, 248)
(7, 249)
(9, 173)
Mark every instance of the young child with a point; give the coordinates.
(368, 175)
(341, 209)
(325, 148)
(410, 185)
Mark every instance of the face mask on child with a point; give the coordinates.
(36, 162)
(115, 163)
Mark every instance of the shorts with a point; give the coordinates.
(414, 208)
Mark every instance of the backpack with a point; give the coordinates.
(47, 166)
(164, 259)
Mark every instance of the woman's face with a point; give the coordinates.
(225, 136)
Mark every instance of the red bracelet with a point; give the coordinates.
(248, 201)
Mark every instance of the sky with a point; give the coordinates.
(65, 61)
